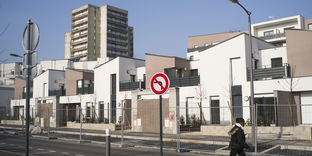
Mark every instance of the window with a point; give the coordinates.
(276, 62)
(132, 78)
(191, 57)
(45, 94)
(194, 72)
(310, 26)
(268, 33)
(88, 110)
(256, 63)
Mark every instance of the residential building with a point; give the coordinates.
(278, 63)
(273, 31)
(8, 71)
(99, 32)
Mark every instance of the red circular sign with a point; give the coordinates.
(160, 83)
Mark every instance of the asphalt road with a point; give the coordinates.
(13, 145)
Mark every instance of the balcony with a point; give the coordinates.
(60, 92)
(79, 23)
(79, 49)
(80, 29)
(86, 90)
(79, 36)
(80, 16)
(127, 86)
(273, 36)
(185, 81)
(80, 42)
(270, 73)
(117, 23)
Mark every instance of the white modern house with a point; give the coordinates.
(282, 85)
(114, 80)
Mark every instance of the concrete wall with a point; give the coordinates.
(92, 126)
(299, 53)
(67, 45)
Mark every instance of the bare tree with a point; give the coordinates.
(200, 95)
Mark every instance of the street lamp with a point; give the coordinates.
(254, 138)
(15, 55)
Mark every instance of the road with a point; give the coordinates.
(150, 142)
(13, 145)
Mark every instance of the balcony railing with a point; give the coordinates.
(87, 90)
(273, 36)
(59, 92)
(127, 86)
(185, 81)
(270, 73)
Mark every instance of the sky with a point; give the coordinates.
(160, 26)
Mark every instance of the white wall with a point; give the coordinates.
(266, 55)
(53, 79)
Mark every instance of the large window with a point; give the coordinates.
(265, 111)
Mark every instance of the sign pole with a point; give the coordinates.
(159, 85)
(28, 89)
(160, 125)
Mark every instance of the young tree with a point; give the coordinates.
(201, 95)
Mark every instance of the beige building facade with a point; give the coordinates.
(99, 32)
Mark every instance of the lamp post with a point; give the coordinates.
(15, 55)
(254, 137)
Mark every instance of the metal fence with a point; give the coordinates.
(283, 129)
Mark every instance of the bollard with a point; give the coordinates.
(107, 142)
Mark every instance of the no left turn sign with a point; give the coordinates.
(160, 83)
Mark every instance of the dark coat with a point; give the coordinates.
(238, 140)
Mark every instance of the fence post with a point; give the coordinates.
(80, 115)
(49, 123)
(122, 123)
(23, 124)
(178, 128)
(107, 142)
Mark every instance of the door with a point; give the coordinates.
(215, 111)
(306, 107)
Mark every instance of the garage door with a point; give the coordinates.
(306, 107)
